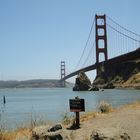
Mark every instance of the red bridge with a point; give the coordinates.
(128, 40)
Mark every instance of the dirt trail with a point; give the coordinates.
(122, 120)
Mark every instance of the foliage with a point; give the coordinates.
(104, 107)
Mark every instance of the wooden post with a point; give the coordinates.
(77, 115)
(4, 100)
(77, 119)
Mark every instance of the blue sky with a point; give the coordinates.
(35, 35)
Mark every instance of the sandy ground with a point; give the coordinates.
(123, 120)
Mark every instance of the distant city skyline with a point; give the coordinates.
(35, 36)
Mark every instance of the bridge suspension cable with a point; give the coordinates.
(85, 44)
(123, 27)
(121, 40)
(89, 54)
(123, 34)
(90, 50)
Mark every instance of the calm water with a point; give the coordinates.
(50, 104)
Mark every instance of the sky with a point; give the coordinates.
(36, 35)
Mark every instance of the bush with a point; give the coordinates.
(104, 107)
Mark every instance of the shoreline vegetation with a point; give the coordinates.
(105, 124)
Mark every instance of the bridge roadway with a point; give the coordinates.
(119, 59)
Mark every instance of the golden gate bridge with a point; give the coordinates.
(107, 43)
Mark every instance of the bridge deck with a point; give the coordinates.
(119, 59)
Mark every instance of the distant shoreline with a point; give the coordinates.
(36, 83)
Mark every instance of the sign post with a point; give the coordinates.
(77, 119)
(77, 105)
(4, 100)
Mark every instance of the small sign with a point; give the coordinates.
(77, 105)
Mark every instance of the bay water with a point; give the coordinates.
(50, 104)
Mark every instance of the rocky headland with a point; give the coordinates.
(122, 75)
(82, 82)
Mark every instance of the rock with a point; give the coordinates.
(55, 128)
(55, 137)
(97, 136)
(109, 86)
(125, 136)
(123, 75)
(76, 88)
(35, 136)
(93, 88)
(47, 137)
(82, 82)
(99, 80)
(47, 133)
(100, 136)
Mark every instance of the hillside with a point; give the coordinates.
(37, 83)
(123, 75)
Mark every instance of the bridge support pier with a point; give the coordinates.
(101, 69)
(63, 73)
(101, 38)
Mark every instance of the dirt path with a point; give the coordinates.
(123, 120)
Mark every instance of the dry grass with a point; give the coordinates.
(18, 134)
(22, 132)
(105, 107)
(66, 120)
(133, 82)
(8, 135)
(131, 105)
(88, 116)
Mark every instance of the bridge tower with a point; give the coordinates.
(101, 38)
(63, 73)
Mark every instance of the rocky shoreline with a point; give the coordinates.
(122, 75)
